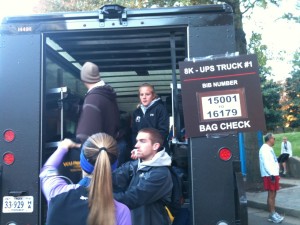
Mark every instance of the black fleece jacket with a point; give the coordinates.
(156, 116)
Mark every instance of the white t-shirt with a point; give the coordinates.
(268, 161)
(288, 148)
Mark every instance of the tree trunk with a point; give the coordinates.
(240, 36)
(252, 158)
(250, 138)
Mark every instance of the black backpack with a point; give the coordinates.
(177, 198)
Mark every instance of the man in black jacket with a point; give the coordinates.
(144, 184)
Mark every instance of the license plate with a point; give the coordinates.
(21, 204)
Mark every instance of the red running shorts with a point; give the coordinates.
(270, 185)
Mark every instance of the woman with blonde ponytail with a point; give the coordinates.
(91, 201)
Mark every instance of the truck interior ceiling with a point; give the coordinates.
(126, 59)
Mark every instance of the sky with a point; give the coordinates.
(278, 34)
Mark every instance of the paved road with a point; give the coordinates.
(259, 217)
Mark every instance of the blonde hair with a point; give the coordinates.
(101, 151)
(151, 87)
(152, 91)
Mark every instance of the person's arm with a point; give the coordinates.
(52, 184)
(156, 186)
(163, 121)
(290, 150)
(122, 176)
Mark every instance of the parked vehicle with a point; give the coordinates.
(40, 89)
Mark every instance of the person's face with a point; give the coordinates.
(145, 149)
(146, 95)
(284, 139)
(272, 141)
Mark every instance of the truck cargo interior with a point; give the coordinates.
(126, 59)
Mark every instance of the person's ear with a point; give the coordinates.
(156, 146)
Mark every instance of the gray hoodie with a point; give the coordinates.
(143, 186)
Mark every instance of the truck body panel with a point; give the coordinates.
(21, 111)
(40, 61)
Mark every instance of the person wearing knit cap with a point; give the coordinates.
(90, 73)
(100, 112)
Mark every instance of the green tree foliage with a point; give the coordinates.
(292, 89)
(292, 17)
(256, 47)
(270, 90)
(272, 108)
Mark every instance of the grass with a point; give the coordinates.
(293, 137)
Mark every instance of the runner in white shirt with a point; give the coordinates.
(269, 169)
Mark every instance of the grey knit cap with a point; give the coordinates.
(90, 73)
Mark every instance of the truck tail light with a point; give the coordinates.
(8, 158)
(225, 154)
(9, 135)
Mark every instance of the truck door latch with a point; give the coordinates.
(113, 12)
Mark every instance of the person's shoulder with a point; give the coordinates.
(138, 109)
(264, 147)
(158, 102)
(120, 206)
(160, 169)
(162, 172)
(105, 89)
(131, 164)
(123, 214)
(70, 191)
(158, 105)
(96, 91)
